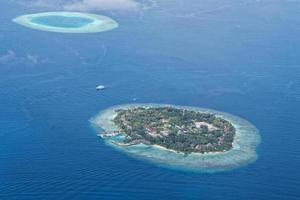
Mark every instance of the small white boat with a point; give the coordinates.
(100, 87)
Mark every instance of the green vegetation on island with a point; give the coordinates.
(181, 130)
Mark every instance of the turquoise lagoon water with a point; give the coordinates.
(61, 21)
(67, 22)
(236, 56)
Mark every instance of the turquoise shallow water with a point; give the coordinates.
(61, 21)
(67, 22)
(236, 56)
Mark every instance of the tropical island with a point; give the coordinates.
(179, 137)
(181, 130)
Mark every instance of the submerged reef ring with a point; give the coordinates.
(243, 149)
(67, 22)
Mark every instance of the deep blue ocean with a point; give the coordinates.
(236, 56)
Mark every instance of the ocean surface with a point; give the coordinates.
(236, 56)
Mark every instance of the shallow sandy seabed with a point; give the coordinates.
(99, 23)
(243, 152)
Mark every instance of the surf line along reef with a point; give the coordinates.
(67, 22)
(179, 137)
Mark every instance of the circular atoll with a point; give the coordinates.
(179, 137)
(67, 22)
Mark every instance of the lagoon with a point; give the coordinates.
(67, 22)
